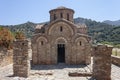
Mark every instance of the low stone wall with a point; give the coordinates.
(6, 57)
(115, 60)
(77, 74)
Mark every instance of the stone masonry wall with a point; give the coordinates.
(115, 60)
(102, 62)
(6, 57)
(21, 60)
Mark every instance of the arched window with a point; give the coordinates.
(61, 15)
(80, 43)
(42, 43)
(61, 28)
(67, 16)
(55, 17)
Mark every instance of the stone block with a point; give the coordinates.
(21, 62)
(102, 62)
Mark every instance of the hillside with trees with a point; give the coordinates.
(116, 23)
(101, 32)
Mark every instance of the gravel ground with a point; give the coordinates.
(54, 72)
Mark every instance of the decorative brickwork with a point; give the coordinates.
(102, 62)
(21, 61)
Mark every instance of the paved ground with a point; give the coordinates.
(54, 72)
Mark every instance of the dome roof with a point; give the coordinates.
(61, 7)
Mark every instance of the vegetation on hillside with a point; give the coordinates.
(25, 28)
(20, 35)
(101, 32)
(7, 37)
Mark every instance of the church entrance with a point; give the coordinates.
(61, 53)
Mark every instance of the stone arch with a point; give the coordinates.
(61, 45)
(61, 40)
(81, 41)
(41, 50)
(41, 39)
(62, 23)
(80, 48)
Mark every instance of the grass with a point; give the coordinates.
(116, 51)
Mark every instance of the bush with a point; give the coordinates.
(6, 38)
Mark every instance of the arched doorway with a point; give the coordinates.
(61, 53)
(61, 43)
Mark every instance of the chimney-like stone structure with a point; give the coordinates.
(21, 60)
(102, 62)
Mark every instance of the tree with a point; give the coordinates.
(6, 38)
(20, 35)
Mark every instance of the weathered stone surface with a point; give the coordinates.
(6, 56)
(21, 60)
(102, 62)
(115, 60)
(77, 74)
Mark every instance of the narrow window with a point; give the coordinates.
(61, 28)
(41, 42)
(67, 16)
(54, 16)
(61, 15)
(80, 43)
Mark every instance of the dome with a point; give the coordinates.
(61, 13)
(61, 7)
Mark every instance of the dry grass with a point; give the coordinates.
(116, 51)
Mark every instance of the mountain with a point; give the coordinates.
(27, 28)
(116, 23)
(102, 32)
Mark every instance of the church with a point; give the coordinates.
(61, 40)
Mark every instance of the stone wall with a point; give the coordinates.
(115, 60)
(21, 60)
(5, 57)
(102, 62)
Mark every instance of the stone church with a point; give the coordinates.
(60, 40)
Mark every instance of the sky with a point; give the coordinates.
(14, 12)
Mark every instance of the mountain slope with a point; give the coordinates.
(116, 23)
(27, 28)
(98, 30)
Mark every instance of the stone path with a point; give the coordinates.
(54, 72)
(60, 71)
(115, 72)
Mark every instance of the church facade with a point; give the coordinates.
(60, 40)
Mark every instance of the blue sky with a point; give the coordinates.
(20, 11)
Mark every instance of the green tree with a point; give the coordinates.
(19, 35)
